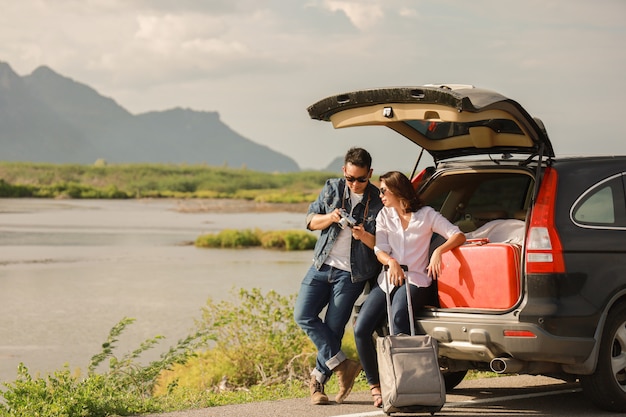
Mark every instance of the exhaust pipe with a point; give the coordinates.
(506, 365)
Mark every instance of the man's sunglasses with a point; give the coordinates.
(359, 179)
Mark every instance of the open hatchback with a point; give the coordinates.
(447, 121)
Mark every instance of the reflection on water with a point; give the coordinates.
(70, 270)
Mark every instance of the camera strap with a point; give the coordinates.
(367, 203)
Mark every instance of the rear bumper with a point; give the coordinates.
(461, 338)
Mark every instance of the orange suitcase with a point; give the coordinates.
(480, 275)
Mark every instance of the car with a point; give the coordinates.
(545, 292)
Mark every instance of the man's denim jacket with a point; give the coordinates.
(334, 195)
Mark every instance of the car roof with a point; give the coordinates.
(446, 120)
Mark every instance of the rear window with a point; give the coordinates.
(507, 193)
(489, 195)
(443, 130)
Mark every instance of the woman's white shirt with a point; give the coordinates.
(410, 247)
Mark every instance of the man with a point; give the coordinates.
(343, 261)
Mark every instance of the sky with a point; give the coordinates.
(261, 63)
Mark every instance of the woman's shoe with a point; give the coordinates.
(377, 396)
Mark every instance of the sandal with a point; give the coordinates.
(377, 396)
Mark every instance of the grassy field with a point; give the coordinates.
(43, 180)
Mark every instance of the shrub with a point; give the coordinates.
(230, 238)
(12, 191)
(256, 342)
(288, 240)
(299, 240)
(283, 239)
(124, 389)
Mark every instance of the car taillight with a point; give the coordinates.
(544, 253)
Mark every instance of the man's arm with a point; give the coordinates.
(359, 233)
(316, 221)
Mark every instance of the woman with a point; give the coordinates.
(404, 228)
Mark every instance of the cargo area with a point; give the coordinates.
(490, 208)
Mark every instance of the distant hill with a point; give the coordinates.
(45, 117)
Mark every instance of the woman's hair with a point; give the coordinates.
(401, 186)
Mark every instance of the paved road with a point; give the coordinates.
(508, 396)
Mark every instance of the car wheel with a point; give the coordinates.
(452, 379)
(606, 387)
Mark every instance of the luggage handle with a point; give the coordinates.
(408, 299)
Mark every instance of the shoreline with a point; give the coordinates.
(237, 206)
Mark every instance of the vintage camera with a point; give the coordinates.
(346, 220)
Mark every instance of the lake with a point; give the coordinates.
(71, 269)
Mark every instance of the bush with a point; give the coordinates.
(288, 240)
(230, 238)
(283, 239)
(251, 351)
(124, 389)
(256, 342)
(12, 191)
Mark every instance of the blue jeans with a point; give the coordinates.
(332, 288)
(373, 315)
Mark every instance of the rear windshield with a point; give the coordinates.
(442, 130)
(482, 196)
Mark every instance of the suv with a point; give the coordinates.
(553, 301)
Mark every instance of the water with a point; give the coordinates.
(71, 269)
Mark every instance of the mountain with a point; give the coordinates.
(335, 165)
(45, 117)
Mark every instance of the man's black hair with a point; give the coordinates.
(359, 157)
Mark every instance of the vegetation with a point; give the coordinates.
(256, 342)
(124, 389)
(243, 351)
(281, 239)
(101, 180)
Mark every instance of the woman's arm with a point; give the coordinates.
(434, 266)
(395, 274)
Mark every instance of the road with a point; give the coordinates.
(507, 396)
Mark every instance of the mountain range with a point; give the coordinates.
(46, 117)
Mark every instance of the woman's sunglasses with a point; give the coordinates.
(352, 179)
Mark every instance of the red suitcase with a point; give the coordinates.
(480, 275)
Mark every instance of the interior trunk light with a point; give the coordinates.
(431, 115)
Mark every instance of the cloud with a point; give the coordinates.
(188, 34)
(362, 14)
(259, 63)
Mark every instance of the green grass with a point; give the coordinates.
(44, 180)
(280, 239)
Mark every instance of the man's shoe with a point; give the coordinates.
(318, 397)
(347, 371)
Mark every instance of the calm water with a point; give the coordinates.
(71, 269)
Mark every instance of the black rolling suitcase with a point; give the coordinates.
(410, 378)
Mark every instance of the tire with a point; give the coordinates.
(452, 379)
(606, 387)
